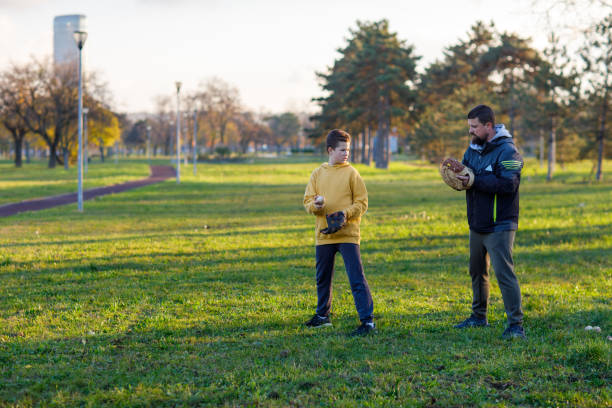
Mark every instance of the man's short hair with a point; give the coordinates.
(336, 136)
(483, 113)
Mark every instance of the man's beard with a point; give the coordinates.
(476, 140)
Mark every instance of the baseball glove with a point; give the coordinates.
(335, 222)
(450, 169)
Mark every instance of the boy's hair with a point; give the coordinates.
(483, 113)
(336, 136)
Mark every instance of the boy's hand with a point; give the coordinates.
(335, 222)
(319, 202)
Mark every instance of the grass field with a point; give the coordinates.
(35, 180)
(195, 295)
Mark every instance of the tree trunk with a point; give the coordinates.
(369, 146)
(212, 141)
(18, 151)
(52, 161)
(541, 148)
(27, 151)
(102, 153)
(387, 146)
(602, 132)
(52, 154)
(353, 148)
(552, 147)
(363, 145)
(222, 134)
(65, 150)
(167, 146)
(382, 133)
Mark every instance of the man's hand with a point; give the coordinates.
(456, 175)
(464, 180)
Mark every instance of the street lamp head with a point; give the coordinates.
(178, 86)
(148, 128)
(79, 38)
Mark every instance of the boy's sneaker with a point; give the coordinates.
(514, 331)
(318, 321)
(364, 329)
(472, 321)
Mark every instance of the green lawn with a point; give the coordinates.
(35, 180)
(195, 295)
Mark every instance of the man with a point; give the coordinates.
(492, 211)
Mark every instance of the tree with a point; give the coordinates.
(514, 61)
(48, 101)
(137, 134)
(597, 55)
(251, 131)
(162, 125)
(459, 67)
(556, 85)
(447, 89)
(103, 129)
(370, 85)
(284, 128)
(220, 102)
(12, 96)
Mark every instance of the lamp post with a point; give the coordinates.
(149, 143)
(79, 38)
(195, 140)
(185, 133)
(86, 143)
(178, 131)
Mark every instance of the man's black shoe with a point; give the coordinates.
(472, 322)
(514, 331)
(318, 321)
(364, 329)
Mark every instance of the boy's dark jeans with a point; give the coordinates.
(326, 255)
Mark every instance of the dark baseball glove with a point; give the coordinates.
(335, 222)
(450, 169)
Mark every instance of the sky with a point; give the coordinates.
(268, 49)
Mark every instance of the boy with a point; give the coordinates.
(337, 196)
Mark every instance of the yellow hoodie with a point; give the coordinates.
(344, 190)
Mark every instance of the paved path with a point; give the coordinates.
(158, 173)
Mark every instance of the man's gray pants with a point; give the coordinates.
(494, 248)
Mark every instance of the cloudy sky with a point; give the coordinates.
(268, 49)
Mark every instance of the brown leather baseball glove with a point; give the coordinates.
(450, 169)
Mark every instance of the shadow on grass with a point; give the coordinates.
(244, 361)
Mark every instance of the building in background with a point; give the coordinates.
(65, 50)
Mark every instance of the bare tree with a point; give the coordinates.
(161, 125)
(251, 131)
(48, 101)
(12, 94)
(220, 104)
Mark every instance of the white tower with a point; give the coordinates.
(64, 47)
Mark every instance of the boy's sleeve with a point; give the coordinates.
(360, 198)
(309, 195)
